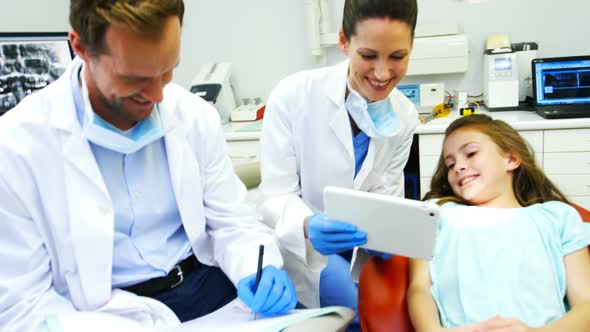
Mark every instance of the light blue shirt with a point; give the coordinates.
(149, 236)
(360, 143)
(504, 261)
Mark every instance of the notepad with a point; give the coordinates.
(235, 316)
(92, 322)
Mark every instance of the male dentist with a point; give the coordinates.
(116, 194)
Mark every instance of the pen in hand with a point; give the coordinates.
(259, 270)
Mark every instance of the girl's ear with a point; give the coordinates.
(513, 161)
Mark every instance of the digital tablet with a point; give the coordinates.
(394, 225)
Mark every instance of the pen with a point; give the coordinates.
(259, 270)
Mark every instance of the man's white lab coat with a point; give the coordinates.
(57, 221)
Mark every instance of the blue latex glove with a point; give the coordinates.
(330, 237)
(380, 254)
(275, 294)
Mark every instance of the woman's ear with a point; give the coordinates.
(342, 42)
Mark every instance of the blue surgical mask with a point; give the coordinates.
(376, 119)
(99, 132)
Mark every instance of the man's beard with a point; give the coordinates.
(114, 107)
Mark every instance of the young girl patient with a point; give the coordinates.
(511, 253)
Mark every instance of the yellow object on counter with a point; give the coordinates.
(439, 111)
(469, 108)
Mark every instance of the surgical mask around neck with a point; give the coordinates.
(376, 119)
(99, 132)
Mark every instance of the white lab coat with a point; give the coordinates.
(56, 216)
(306, 145)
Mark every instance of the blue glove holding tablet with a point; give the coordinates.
(393, 225)
(330, 236)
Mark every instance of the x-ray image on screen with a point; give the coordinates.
(29, 62)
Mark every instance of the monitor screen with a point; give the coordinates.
(29, 62)
(503, 64)
(562, 81)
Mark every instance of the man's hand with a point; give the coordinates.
(332, 236)
(275, 294)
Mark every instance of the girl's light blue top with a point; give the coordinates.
(507, 262)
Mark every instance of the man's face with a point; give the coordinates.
(127, 80)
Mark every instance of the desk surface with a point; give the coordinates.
(520, 120)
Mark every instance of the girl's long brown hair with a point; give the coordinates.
(529, 183)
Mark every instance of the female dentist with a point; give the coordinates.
(344, 126)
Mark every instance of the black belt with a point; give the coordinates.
(173, 279)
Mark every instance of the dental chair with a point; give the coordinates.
(383, 286)
(249, 174)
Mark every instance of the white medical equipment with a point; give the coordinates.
(525, 53)
(425, 96)
(439, 48)
(500, 75)
(214, 84)
(318, 20)
(249, 110)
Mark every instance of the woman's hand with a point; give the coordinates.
(330, 236)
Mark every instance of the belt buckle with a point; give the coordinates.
(178, 273)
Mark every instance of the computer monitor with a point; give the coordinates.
(30, 61)
(561, 81)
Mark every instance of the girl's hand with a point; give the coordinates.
(503, 324)
(495, 324)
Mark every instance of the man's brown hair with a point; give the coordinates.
(91, 18)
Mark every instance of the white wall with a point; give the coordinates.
(266, 39)
(34, 15)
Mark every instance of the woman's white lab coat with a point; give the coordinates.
(306, 145)
(56, 216)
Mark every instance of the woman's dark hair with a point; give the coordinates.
(358, 10)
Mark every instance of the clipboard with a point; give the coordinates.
(393, 225)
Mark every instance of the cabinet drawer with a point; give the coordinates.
(428, 165)
(567, 140)
(430, 145)
(572, 185)
(567, 163)
(535, 139)
(424, 186)
(243, 151)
